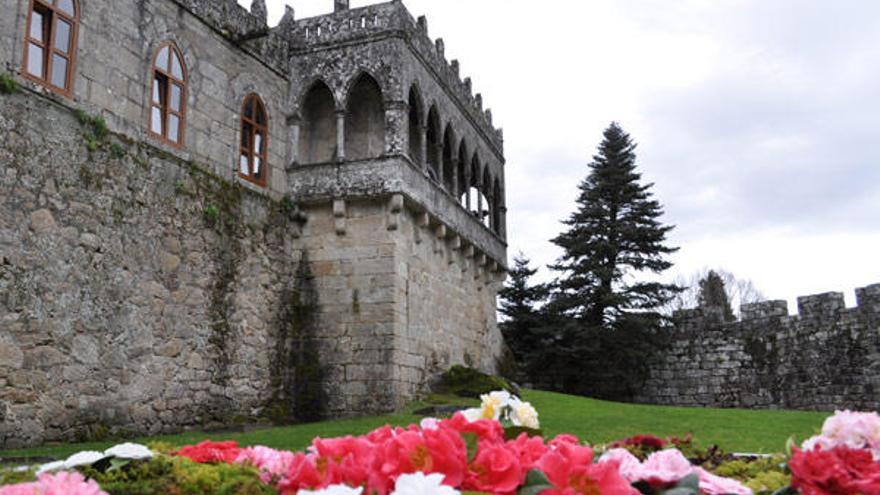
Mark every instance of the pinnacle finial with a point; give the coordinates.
(340, 5)
(258, 9)
(289, 18)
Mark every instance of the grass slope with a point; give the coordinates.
(735, 430)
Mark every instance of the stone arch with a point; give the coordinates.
(462, 173)
(364, 119)
(317, 135)
(432, 138)
(416, 117)
(449, 157)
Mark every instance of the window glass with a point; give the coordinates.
(156, 121)
(258, 144)
(59, 71)
(35, 60)
(175, 97)
(162, 59)
(261, 116)
(37, 26)
(62, 36)
(66, 6)
(246, 135)
(258, 168)
(174, 128)
(176, 70)
(157, 90)
(243, 164)
(249, 109)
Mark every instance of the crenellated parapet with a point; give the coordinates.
(824, 357)
(391, 19)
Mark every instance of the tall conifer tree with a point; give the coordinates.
(614, 234)
(519, 301)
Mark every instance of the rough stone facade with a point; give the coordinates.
(147, 287)
(824, 358)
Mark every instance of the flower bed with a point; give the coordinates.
(497, 448)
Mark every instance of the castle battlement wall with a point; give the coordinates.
(824, 357)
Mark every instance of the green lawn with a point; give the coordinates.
(735, 430)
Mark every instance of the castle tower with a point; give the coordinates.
(211, 218)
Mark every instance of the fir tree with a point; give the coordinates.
(519, 304)
(713, 294)
(614, 234)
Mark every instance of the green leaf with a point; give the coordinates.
(515, 431)
(536, 482)
(472, 441)
(118, 464)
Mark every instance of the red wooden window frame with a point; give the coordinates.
(52, 12)
(254, 122)
(163, 81)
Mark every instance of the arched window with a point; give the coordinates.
(317, 136)
(50, 44)
(433, 139)
(365, 120)
(168, 95)
(253, 144)
(415, 127)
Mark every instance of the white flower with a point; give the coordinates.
(132, 451)
(473, 414)
(52, 466)
(84, 458)
(334, 490)
(524, 414)
(494, 404)
(420, 484)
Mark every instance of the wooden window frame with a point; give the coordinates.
(48, 46)
(249, 150)
(165, 108)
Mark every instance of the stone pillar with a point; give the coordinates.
(480, 199)
(340, 135)
(340, 5)
(293, 139)
(438, 156)
(467, 187)
(454, 191)
(396, 128)
(423, 130)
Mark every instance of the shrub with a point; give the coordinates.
(468, 382)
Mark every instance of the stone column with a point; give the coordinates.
(396, 128)
(340, 135)
(423, 130)
(480, 199)
(467, 188)
(455, 192)
(438, 156)
(293, 139)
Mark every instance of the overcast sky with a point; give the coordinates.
(757, 120)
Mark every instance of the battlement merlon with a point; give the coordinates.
(764, 309)
(392, 18)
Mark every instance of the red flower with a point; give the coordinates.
(647, 441)
(487, 430)
(838, 471)
(307, 471)
(211, 452)
(495, 469)
(570, 468)
(528, 449)
(430, 451)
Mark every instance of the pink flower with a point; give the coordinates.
(854, 430)
(62, 483)
(273, 464)
(209, 452)
(664, 468)
(711, 484)
(495, 469)
(628, 465)
(528, 449)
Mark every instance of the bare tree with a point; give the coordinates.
(739, 291)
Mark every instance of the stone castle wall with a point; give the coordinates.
(825, 357)
(124, 303)
(148, 288)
